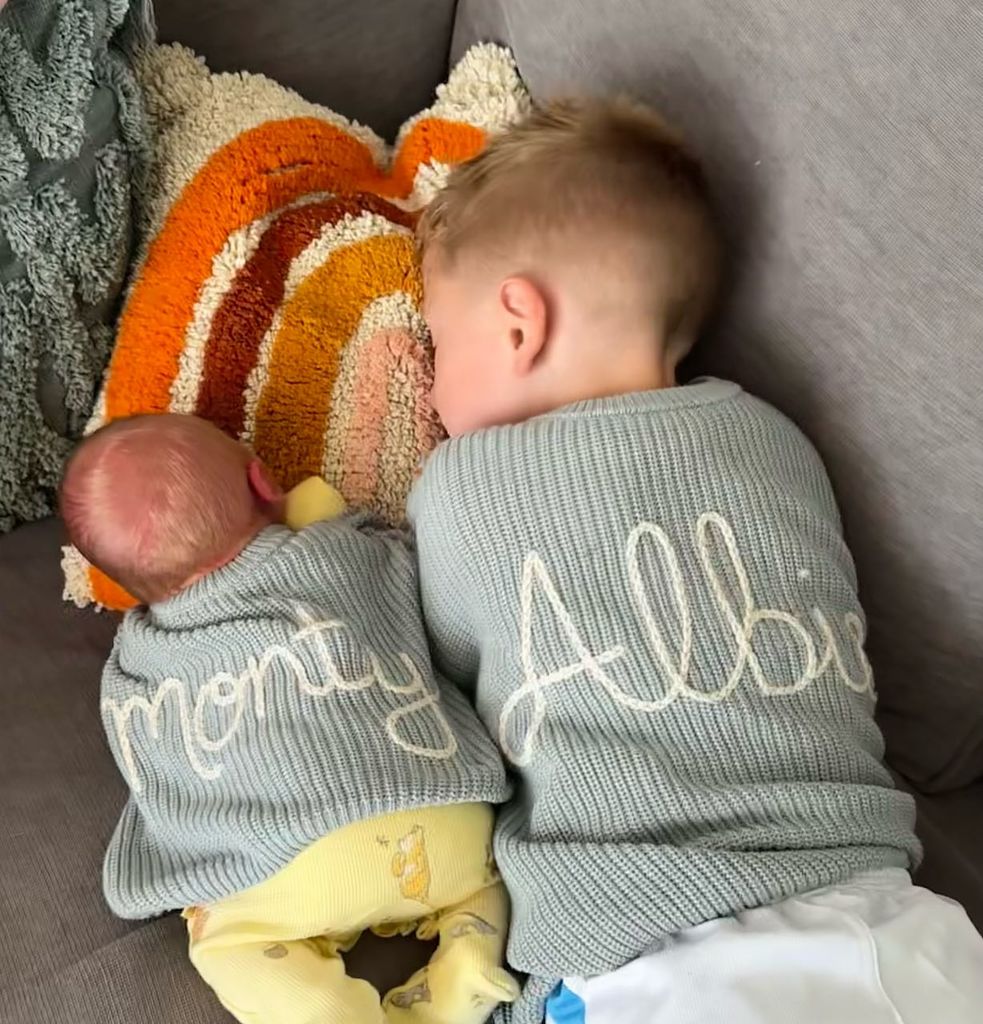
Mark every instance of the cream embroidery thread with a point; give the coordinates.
(248, 690)
(739, 611)
(534, 571)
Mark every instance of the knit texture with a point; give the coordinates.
(278, 295)
(653, 599)
(280, 697)
(72, 144)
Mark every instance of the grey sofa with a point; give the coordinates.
(844, 144)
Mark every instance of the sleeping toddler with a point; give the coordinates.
(297, 772)
(645, 590)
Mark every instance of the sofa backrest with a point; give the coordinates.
(845, 143)
(377, 62)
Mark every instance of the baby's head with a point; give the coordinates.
(156, 502)
(575, 257)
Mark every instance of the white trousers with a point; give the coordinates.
(877, 950)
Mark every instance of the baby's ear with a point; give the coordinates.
(266, 490)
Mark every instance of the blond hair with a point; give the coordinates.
(584, 172)
(154, 500)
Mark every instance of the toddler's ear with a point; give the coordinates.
(266, 490)
(527, 320)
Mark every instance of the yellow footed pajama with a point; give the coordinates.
(272, 953)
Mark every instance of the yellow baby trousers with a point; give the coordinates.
(272, 953)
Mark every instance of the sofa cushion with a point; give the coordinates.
(379, 62)
(951, 827)
(840, 139)
(65, 957)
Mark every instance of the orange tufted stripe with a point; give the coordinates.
(321, 317)
(247, 309)
(260, 171)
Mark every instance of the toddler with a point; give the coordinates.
(646, 591)
(297, 773)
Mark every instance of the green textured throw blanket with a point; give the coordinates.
(72, 138)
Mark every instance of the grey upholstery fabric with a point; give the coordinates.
(65, 959)
(63, 956)
(377, 62)
(845, 144)
(951, 827)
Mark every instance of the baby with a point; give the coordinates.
(297, 773)
(645, 589)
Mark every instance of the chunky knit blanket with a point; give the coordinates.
(278, 294)
(72, 142)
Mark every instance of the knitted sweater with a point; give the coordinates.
(651, 599)
(280, 697)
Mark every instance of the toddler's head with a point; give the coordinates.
(156, 502)
(575, 257)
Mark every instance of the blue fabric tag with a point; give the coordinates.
(565, 1007)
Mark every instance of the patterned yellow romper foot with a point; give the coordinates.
(273, 953)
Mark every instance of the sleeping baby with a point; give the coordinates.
(297, 772)
(646, 592)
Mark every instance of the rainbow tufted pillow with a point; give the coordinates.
(277, 294)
